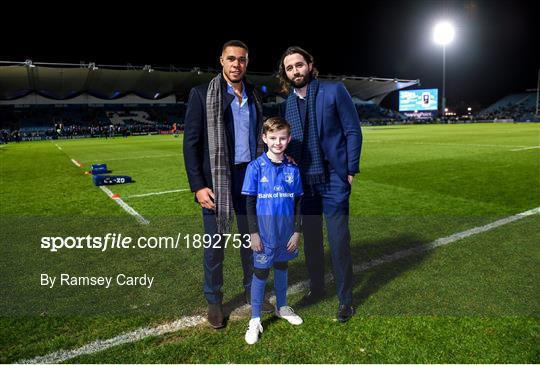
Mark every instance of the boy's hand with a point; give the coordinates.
(293, 242)
(256, 244)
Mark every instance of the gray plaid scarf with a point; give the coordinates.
(219, 156)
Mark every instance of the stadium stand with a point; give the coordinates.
(519, 107)
(370, 113)
(41, 121)
(96, 101)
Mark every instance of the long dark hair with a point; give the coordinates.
(283, 80)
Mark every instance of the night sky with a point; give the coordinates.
(495, 51)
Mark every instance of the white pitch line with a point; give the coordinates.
(525, 148)
(57, 146)
(76, 163)
(156, 193)
(125, 206)
(191, 321)
(128, 337)
(398, 255)
(446, 144)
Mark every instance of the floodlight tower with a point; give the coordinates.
(537, 92)
(443, 34)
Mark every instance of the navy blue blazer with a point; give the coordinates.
(339, 128)
(196, 155)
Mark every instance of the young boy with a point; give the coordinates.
(273, 190)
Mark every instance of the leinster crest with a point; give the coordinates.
(289, 179)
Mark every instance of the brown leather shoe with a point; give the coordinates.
(215, 315)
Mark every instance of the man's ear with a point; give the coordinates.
(221, 60)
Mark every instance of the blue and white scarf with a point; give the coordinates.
(305, 145)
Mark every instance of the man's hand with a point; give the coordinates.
(350, 179)
(293, 242)
(256, 244)
(205, 197)
(291, 160)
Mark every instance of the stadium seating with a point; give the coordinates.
(519, 107)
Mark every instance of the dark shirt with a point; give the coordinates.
(302, 108)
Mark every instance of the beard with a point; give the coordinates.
(234, 81)
(300, 83)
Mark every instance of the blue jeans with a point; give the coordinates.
(213, 256)
(332, 200)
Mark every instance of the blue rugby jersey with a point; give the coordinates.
(275, 186)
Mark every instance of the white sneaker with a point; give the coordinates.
(287, 313)
(253, 331)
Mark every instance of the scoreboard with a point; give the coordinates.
(418, 100)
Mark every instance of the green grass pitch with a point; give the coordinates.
(475, 300)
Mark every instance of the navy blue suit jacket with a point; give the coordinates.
(339, 128)
(196, 154)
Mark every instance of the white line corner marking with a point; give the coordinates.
(118, 201)
(125, 206)
(192, 321)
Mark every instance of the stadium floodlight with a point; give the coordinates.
(443, 34)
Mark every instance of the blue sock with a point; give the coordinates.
(280, 286)
(257, 296)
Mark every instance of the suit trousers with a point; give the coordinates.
(215, 254)
(330, 199)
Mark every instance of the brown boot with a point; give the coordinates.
(215, 315)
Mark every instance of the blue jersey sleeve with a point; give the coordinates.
(251, 180)
(297, 186)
